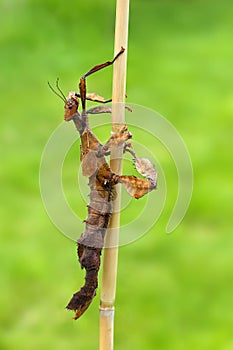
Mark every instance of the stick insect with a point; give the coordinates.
(102, 182)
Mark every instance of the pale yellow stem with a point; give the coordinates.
(110, 260)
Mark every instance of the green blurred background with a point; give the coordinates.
(174, 291)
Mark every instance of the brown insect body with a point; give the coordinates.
(91, 242)
(101, 183)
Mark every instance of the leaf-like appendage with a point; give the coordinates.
(89, 164)
(135, 186)
(146, 168)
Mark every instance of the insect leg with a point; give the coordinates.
(99, 109)
(102, 109)
(117, 139)
(94, 98)
(103, 65)
(128, 148)
(135, 186)
(82, 84)
(82, 89)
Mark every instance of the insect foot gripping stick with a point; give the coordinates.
(101, 182)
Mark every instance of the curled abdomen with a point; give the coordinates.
(90, 245)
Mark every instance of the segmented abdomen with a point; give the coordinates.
(91, 242)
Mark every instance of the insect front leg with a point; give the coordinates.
(82, 84)
(116, 140)
(103, 65)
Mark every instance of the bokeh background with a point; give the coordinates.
(174, 291)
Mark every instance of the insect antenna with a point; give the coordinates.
(59, 89)
(62, 96)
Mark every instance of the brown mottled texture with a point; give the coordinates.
(102, 192)
(101, 183)
(91, 241)
(135, 186)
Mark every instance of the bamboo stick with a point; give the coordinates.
(110, 260)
